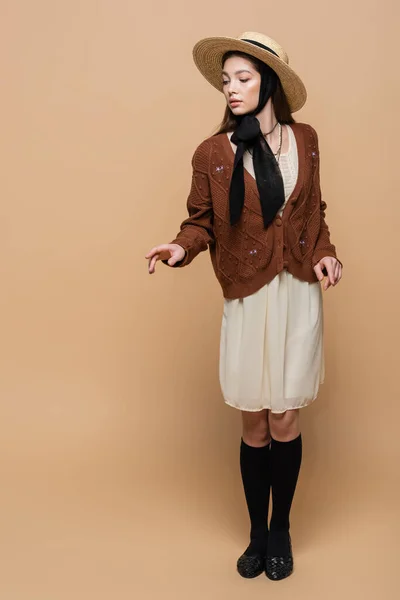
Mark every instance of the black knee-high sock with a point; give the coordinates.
(285, 466)
(256, 478)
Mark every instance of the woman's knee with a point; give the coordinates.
(285, 426)
(255, 427)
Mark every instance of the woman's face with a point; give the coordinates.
(240, 84)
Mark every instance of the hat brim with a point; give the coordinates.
(208, 53)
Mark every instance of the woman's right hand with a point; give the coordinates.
(171, 252)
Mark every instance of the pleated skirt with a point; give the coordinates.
(271, 346)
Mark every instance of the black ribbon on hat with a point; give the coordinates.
(260, 45)
(268, 176)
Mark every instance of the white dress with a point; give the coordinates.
(271, 348)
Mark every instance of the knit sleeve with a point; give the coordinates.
(196, 231)
(323, 247)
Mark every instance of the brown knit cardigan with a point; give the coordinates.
(246, 256)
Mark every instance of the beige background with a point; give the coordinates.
(119, 459)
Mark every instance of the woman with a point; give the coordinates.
(255, 202)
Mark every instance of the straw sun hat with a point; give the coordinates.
(208, 53)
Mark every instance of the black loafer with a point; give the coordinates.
(250, 565)
(279, 567)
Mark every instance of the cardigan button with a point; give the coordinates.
(278, 221)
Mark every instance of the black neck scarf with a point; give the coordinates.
(268, 175)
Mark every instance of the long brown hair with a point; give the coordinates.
(279, 100)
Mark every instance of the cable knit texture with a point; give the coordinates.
(247, 255)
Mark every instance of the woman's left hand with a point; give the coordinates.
(333, 268)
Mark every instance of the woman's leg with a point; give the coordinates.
(255, 428)
(284, 426)
(286, 455)
(255, 471)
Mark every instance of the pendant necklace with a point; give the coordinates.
(278, 153)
